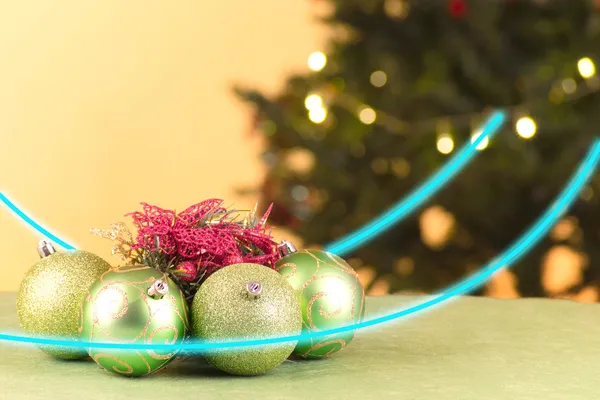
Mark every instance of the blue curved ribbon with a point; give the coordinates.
(418, 196)
(55, 239)
(510, 255)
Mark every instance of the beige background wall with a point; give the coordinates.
(106, 103)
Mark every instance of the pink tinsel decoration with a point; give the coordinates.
(187, 237)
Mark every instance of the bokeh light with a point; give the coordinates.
(317, 61)
(445, 144)
(526, 127)
(586, 67)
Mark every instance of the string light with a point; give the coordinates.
(317, 115)
(445, 144)
(586, 67)
(395, 125)
(317, 61)
(313, 101)
(367, 115)
(483, 144)
(378, 78)
(526, 127)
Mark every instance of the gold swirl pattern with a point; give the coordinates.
(150, 339)
(115, 281)
(116, 306)
(342, 264)
(117, 310)
(331, 296)
(309, 281)
(325, 314)
(289, 274)
(338, 291)
(128, 369)
(323, 344)
(129, 268)
(146, 363)
(105, 326)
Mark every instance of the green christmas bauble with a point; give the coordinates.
(133, 304)
(244, 302)
(331, 297)
(50, 295)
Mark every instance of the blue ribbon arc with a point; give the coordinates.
(419, 195)
(27, 219)
(515, 251)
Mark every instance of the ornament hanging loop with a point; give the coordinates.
(45, 249)
(286, 248)
(254, 289)
(158, 289)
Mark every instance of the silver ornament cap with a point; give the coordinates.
(254, 289)
(158, 289)
(45, 248)
(286, 248)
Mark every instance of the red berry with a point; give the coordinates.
(186, 271)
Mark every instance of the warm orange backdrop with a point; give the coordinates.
(106, 103)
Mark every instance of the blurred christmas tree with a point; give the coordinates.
(402, 84)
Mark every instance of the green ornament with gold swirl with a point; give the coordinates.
(331, 297)
(133, 304)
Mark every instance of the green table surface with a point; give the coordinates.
(469, 348)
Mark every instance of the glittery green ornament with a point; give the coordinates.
(50, 295)
(331, 296)
(244, 302)
(133, 304)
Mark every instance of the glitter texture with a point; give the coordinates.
(117, 308)
(50, 296)
(223, 310)
(331, 297)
